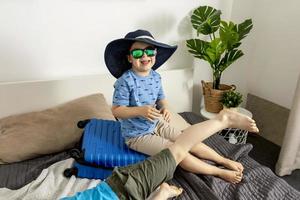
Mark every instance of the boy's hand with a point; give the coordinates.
(166, 114)
(149, 112)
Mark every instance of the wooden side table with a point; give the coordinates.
(232, 135)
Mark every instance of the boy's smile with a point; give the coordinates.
(143, 65)
(145, 62)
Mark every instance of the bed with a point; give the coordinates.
(39, 175)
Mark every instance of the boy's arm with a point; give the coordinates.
(124, 112)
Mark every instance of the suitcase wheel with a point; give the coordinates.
(82, 124)
(71, 171)
(75, 153)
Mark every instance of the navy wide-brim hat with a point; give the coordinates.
(116, 52)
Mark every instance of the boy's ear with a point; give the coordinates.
(129, 59)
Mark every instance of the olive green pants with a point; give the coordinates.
(139, 180)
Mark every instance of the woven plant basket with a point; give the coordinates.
(212, 97)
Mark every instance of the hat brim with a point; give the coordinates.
(116, 51)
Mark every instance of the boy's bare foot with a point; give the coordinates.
(230, 175)
(237, 120)
(166, 191)
(231, 164)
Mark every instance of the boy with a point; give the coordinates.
(139, 180)
(138, 93)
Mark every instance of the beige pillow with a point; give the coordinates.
(33, 134)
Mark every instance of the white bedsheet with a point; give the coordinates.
(51, 184)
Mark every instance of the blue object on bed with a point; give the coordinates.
(91, 172)
(104, 145)
(103, 148)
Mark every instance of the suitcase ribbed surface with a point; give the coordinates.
(103, 145)
(85, 171)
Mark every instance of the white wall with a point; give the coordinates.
(270, 66)
(55, 39)
(49, 39)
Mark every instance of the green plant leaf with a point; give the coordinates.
(229, 58)
(244, 28)
(232, 99)
(206, 20)
(229, 34)
(215, 49)
(236, 45)
(221, 50)
(198, 48)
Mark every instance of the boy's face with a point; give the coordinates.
(141, 62)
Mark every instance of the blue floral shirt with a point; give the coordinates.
(133, 90)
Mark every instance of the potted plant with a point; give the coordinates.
(231, 99)
(220, 50)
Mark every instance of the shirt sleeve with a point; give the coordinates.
(121, 93)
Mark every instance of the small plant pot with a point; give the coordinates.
(212, 97)
(232, 108)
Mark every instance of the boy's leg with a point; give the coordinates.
(200, 150)
(197, 166)
(153, 144)
(203, 151)
(198, 132)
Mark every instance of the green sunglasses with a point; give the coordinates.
(138, 53)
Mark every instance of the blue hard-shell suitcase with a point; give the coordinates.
(102, 149)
